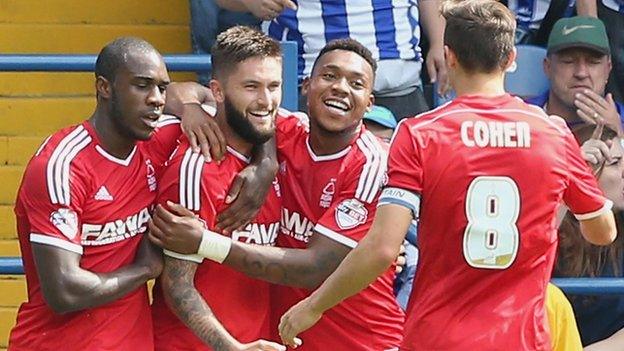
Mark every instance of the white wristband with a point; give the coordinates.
(214, 246)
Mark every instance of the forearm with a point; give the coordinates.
(182, 93)
(186, 302)
(360, 268)
(367, 261)
(292, 267)
(265, 156)
(587, 8)
(82, 289)
(233, 5)
(432, 22)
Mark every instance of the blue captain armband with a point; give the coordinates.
(402, 197)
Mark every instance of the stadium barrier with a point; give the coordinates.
(86, 63)
(192, 63)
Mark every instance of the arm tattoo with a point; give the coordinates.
(186, 302)
(292, 267)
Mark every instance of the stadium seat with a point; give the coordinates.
(526, 78)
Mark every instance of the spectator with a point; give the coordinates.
(611, 12)
(598, 317)
(535, 18)
(391, 29)
(207, 21)
(478, 285)
(578, 65)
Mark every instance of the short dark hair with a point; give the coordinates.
(115, 55)
(238, 44)
(348, 44)
(480, 32)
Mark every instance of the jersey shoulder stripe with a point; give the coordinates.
(374, 169)
(190, 180)
(57, 171)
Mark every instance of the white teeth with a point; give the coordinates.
(337, 104)
(260, 113)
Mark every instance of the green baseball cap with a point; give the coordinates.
(579, 31)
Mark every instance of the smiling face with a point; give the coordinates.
(251, 95)
(339, 91)
(573, 70)
(137, 96)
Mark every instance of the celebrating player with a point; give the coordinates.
(83, 206)
(221, 307)
(485, 175)
(330, 177)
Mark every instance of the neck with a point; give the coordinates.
(483, 84)
(555, 106)
(109, 137)
(233, 139)
(324, 142)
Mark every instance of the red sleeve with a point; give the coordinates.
(164, 140)
(53, 195)
(181, 183)
(354, 205)
(405, 169)
(582, 196)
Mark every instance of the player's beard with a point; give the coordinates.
(241, 125)
(117, 118)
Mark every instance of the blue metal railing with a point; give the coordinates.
(585, 286)
(86, 63)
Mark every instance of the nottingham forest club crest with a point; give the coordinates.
(351, 213)
(328, 193)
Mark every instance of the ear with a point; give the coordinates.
(305, 86)
(217, 90)
(371, 102)
(103, 87)
(449, 57)
(511, 59)
(546, 65)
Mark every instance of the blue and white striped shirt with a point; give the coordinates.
(615, 5)
(389, 28)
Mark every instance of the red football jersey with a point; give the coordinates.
(336, 196)
(240, 303)
(76, 196)
(488, 175)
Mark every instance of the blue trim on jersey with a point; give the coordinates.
(415, 41)
(335, 19)
(385, 30)
(395, 201)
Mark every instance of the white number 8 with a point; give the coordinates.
(491, 235)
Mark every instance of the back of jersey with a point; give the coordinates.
(489, 174)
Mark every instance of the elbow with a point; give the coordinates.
(605, 238)
(600, 230)
(60, 303)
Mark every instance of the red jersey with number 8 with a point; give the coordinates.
(487, 176)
